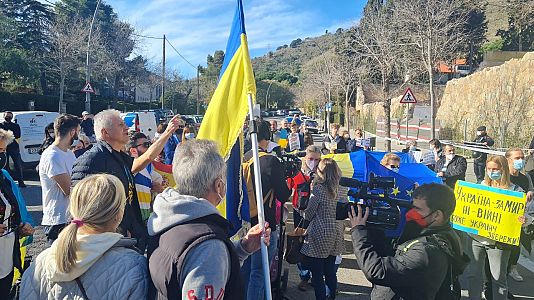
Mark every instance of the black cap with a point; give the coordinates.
(481, 128)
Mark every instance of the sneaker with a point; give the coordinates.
(515, 275)
(303, 285)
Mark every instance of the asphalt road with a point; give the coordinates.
(352, 283)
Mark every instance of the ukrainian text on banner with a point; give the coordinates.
(489, 212)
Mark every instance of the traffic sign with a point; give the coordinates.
(329, 106)
(88, 88)
(408, 97)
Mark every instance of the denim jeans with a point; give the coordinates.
(323, 269)
(498, 265)
(252, 271)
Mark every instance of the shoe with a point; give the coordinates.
(22, 185)
(303, 285)
(515, 275)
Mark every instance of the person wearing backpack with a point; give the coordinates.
(89, 260)
(300, 187)
(274, 187)
(429, 257)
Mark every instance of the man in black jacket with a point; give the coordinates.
(429, 254)
(272, 181)
(480, 158)
(13, 149)
(108, 156)
(451, 167)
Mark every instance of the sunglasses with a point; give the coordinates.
(145, 144)
(394, 167)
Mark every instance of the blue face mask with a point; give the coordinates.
(396, 170)
(519, 164)
(495, 175)
(190, 135)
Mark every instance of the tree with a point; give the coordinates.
(520, 33)
(68, 42)
(437, 33)
(348, 71)
(377, 39)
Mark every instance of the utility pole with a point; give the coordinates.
(87, 70)
(267, 96)
(163, 76)
(198, 89)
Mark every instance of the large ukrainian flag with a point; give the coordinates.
(226, 114)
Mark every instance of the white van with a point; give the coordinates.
(32, 133)
(141, 121)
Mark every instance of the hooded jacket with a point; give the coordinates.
(420, 269)
(106, 265)
(202, 270)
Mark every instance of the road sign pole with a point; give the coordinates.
(407, 120)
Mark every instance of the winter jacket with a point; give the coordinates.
(454, 170)
(205, 266)
(481, 157)
(328, 140)
(420, 268)
(322, 235)
(107, 267)
(101, 158)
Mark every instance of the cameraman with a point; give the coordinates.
(300, 187)
(428, 248)
(272, 181)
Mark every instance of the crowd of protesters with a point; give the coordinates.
(117, 231)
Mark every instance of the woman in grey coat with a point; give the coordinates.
(322, 244)
(89, 260)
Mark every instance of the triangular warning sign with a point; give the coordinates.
(408, 97)
(88, 88)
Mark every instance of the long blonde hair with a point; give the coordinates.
(502, 162)
(329, 173)
(98, 201)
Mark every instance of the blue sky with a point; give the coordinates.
(197, 28)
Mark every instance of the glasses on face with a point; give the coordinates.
(393, 166)
(145, 144)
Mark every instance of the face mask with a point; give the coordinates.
(3, 160)
(190, 135)
(413, 148)
(396, 170)
(415, 216)
(221, 199)
(496, 175)
(519, 164)
(312, 164)
(450, 156)
(479, 133)
(431, 148)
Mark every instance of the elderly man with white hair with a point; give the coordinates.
(190, 253)
(108, 156)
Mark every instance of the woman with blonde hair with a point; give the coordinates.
(189, 133)
(391, 161)
(89, 260)
(321, 244)
(497, 254)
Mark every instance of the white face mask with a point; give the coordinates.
(312, 164)
(479, 133)
(190, 135)
(450, 156)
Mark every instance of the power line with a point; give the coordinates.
(180, 54)
(147, 37)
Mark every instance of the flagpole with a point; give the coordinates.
(259, 199)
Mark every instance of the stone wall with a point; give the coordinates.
(501, 98)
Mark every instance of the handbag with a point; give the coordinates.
(295, 240)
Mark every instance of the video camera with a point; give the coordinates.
(384, 211)
(292, 163)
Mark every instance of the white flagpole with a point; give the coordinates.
(259, 201)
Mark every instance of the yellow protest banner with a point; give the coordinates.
(488, 212)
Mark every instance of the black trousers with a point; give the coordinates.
(5, 286)
(17, 163)
(480, 171)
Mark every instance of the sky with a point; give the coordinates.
(197, 28)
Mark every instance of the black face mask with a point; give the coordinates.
(3, 160)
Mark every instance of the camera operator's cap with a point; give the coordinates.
(85, 113)
(481, 128)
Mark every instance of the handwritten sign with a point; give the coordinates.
(294, 142)
(488, 212)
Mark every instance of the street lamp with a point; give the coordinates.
(87, 71)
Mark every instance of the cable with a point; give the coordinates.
(147, 37)
(180, 54)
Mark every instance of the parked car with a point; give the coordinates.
(32, 124)
(141, 121)
(292, 112)
(280, 112)
(312, 125)
(265, 114)
(161, 115)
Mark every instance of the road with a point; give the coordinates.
(352, 283)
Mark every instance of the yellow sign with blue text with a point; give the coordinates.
(488, 212)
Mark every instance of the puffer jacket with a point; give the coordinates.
(118, 273)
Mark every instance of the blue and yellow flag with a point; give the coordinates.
(226, 114)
